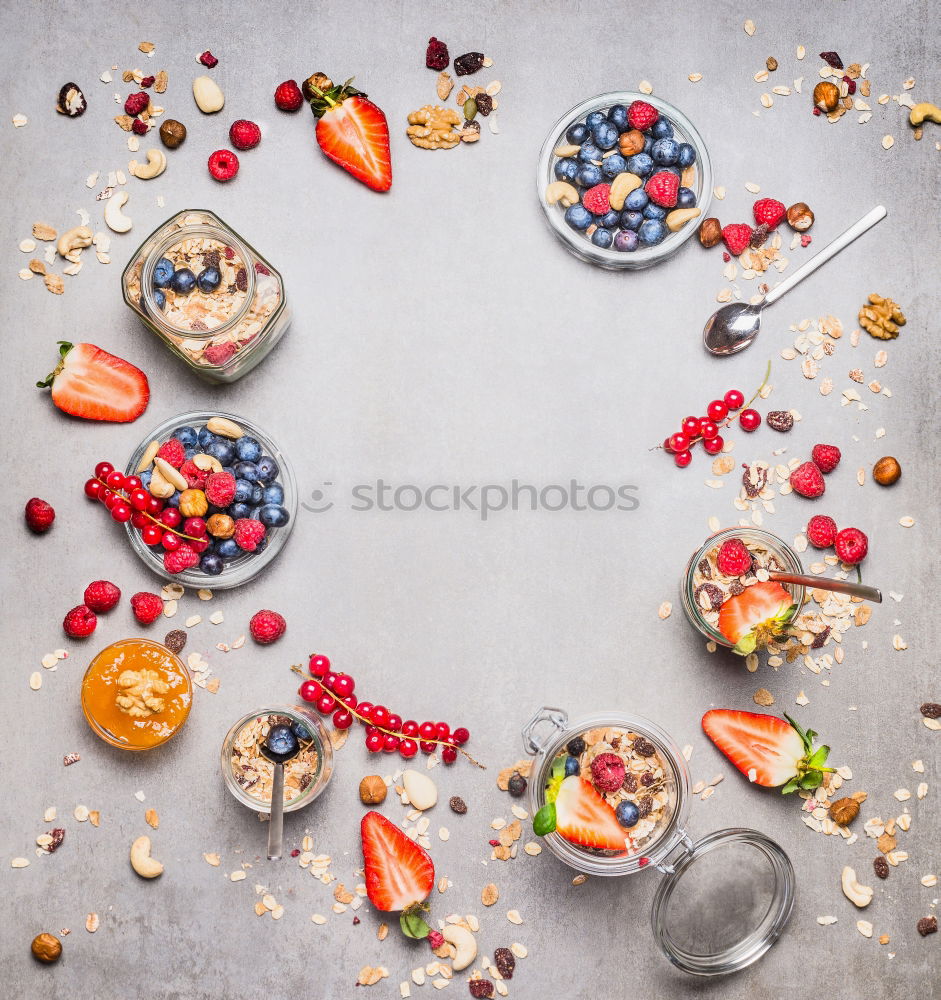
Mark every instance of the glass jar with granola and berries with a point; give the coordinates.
(209, 295)
(610, 795)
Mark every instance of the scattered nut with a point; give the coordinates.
(172, 133)
(465, 945)
(562, 191)
(927, 925)
(115, 219)
(208, 95)
(844, 811)
(71, 101)
(858, 895)
(142, 862)
(372, 790)
(73, 240)
(887, 471)
(154, 167)
(432, 127)
(621, 187)
(826, 96)
(631, 142)
(678, 218)
(489, 894)
(710, 232)
(881, 318)
(771, 63)
(46, 948)
(800, 217)
(420, 789)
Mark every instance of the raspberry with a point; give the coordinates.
(851, 546)
(147, 608)
(733, 559)
(641, 115)
(39, 515)
(267, 626)
(223, 165)
(220, 488)
(288, 96)
(79, 622)
(218, 354)
(248, 533)
(208, 59)
(172, 451)
(821, 530)
(244, 134)
(139, 127)
(194, 476)
(827, 457)
(435, 939)
(101, 596)
(597, 199)
(807, 480)
(662, 188)
(183, 558)
(737, 236)
(437, 56)
(136, 103)
(768, 212)
(607, 772)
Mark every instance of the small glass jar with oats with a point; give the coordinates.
(610, 795)
(210, 296)
(249, 775)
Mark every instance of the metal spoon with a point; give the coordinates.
(280, 746)
(733, 327)
(824, 583)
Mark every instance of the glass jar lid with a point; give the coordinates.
(723, 901)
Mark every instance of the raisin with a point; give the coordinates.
(505, 961)
(436, 55)
(931, 710)
(820, 639)
(630, 782)
(645, 806)
(457, 805)
(175, 640)
(647, 779)
(480, 988)
(927, 925)
(211, 258)
(644, 747)
(516, 785)
(484, 104)
(241, 280)
(148, 81)
(881, 867)
(752, 489)
(779, 420)
(715, 595)
(736, 587)
(832, 59)
(759, 236)
(58, 835)
(575, 746)
(470, 62)
(705, 569)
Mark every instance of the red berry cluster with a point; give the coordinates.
(385, 732)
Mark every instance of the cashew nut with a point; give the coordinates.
(75, 239)
(142, 862)
(169, 474)
(465, 945)
(858, 895)
(114, 217)
(678, 218)
(621, 187)
(561, 191)
(154, 167)
(924, 111)
(159, 486)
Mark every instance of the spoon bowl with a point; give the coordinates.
(280, 746)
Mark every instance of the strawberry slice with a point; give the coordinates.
(91, 383)
(755, 616)
(767, 750)
(584, 818)
(399, 872)
(351, 131)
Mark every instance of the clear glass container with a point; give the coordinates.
(319, 777)
(248, 565)
(221, 334)
(788, 559)
(577, 242)
(723, 900)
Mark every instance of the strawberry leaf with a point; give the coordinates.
(811, 780)
(412, 924)
(791, 786)
(819, 758)
(544, 820)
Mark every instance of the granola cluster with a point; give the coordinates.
(255, 773)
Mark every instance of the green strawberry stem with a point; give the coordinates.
(64, 348)
(810, 769)
(412, 923)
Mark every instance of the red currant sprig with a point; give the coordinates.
(385, 732)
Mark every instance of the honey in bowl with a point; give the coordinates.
(136, 694)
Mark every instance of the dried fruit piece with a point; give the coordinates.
(484, 104)
(930, 710)
(881, 867)
(832, 59)
(71, 101)
(457, 805)
(505, 961)
(436, 55)
(927, 925)
(468, 63)
(780, 420)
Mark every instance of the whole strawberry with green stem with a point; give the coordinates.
(351, 130)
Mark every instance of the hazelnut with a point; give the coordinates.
(172, 133)
(372, 790)
(799, 216)
(631, 142)
(771, 63)
(220, 526)
(886, 471)
(844, 811)
(710, 232)
(46, 948)
(826, 96)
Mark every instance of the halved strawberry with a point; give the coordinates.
(584, 818)
(755, 616)
(91, 383)
(768, 750)
(351, 131)
(399, 872)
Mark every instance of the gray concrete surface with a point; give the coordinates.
(443, 336)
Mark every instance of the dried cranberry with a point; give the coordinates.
(139, 127)
(480, 988)
(832, 59)
(208, 59)
(820, 639)
(468, 63)
(484, 104)
(296, 853)
(817, 111)
(58, 835)
(356, 921)
(260, 268)
(437, 56)
(505, 961)
(148, 81)
(850, 85)
(229, 253)
(780, 420)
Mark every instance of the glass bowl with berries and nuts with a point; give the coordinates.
(213, 499)
(610, 796)
(727, 594)
(208, 294)
(249, 775)
(624, 179)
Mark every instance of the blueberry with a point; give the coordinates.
(613, 165)
(605, 135)
(626, 241)
(209, 278)
(685, 198)
(572, 766)
(227, 548)
(662, 128)
(222, 450)
(174, 500)
(267, 469)
(576, 746)
(578, 217)
(640, 164)
(258, 496)
(159, 298)
(665, 152)
(648, 144)
(205, 436)
(185, 435)
(610, 219)
(652, 231)
(248, 449)
(566, 169)
(163, 272)
(577, 133)
(183, 281)
(189, 453)
(589, 153)
(261, 546)
(617, 115)
(637, 200)
(602, 238)
(273, 516)
(255, 512)
(594, 118)
(211, 563)
(670, 170)
(687, 155)
(246, 470)
(652, 211)
(230, 469)
(274, 493)
(243, 491)
(145, 478)
(589, 175)
(632, 220)
(627, 814)
(302, 732)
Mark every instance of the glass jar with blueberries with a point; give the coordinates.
(225, 498)
(213, 300)
(624, 180)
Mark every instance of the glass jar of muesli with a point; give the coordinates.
(210, 296)
(617, 789)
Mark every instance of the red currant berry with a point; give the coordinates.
(365, 710)
(151, 535)
(154, 506)
(442, 731)
(195, 527)
(390, 743)
(132, 483)
(329, 679)
(750, 420)
(717, 410)
(115, 480)
(690, 426)
(374, 742)
(733, 399)
(121, 512)
(310, 690)
(408, 748)
(170, 541)
(427, 747)
(342, 719)
(109, 498)
(683, 458)
(319, 665)
(460, 735)
(171, 517)
(678, 442)
(139, 519)
(714, 445)
(427, 730)
(449, 755)
(93, 489)
(326, 703)
(138, 499)
(199, 544)
(409, 727)
(394, 723)
(103, 470)
(379, 716)
(666, 445)
(709, 430)
(344, 685)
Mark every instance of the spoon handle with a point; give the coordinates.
(830, 250)
(823, 583)
(276, 824)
